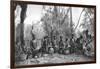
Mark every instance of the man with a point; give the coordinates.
(55, 45)
(61, 45)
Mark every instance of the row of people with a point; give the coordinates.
(55, 45)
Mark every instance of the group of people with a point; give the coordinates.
(57, 44)
(49, 45)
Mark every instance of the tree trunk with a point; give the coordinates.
(22, 17)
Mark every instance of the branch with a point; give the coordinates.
(89, 16)
(79, 19)
(65, 16)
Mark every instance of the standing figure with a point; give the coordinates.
(61, 45)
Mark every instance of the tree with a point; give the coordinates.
(22, 16)
(19, 33)
(57, 21)
(88, 21)
(88, 31)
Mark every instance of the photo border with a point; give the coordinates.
(12, 29)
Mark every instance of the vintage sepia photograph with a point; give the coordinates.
(53, 33)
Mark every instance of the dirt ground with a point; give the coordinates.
(54, 58)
